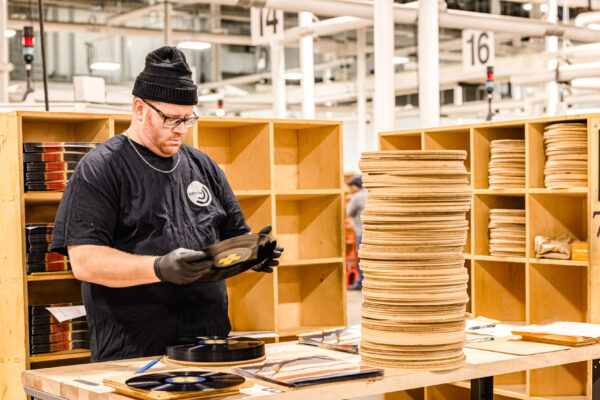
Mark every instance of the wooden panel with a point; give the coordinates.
(554, 215)
(310, 296)
(446, 392)
(499, 291)
(13, 329)
(39, 213)
(594, 225)
(405, 141)
(564, 380)
(536, 159)
(481, 146)
(557, 293)
(319, 158)
(249, 158)
(251, 302)
(215, 143)
(482, 205)
(469, 266)
(286, 159)
(414, 394)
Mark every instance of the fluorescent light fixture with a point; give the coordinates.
(527, 7)
(10, 33)
(328, 114)
(194, 45)
(399, 60)
(105, 66)
(292, 76)
(595, 27)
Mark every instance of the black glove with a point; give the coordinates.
(266, 254)
(180, 266)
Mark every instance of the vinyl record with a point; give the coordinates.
(185, 381)
(215, 349)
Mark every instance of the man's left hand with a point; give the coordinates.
(267, 254)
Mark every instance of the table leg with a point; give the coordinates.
(482, 388)
(596, 379)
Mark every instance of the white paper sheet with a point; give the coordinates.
(565, 328)
(63, 314)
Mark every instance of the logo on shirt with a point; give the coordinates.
(199, 194)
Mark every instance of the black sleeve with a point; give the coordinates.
(234, 224)
(87, 214)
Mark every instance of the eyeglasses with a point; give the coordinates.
(172, 122)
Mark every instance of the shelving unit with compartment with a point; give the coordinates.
(523, 290)
(287, 173)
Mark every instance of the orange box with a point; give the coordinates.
(579, 251)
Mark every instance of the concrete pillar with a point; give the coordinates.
(307, 67)
(385, 100)
(428, 50)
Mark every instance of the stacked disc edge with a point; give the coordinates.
(507, 232)
(507, 164)
(565, 145)
(415, 282)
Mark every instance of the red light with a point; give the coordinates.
(490, 77)
(28, 41)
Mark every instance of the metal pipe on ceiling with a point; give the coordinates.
(452, 19)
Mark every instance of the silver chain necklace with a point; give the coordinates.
(147, 163)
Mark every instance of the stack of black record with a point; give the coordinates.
(39, 256)
(49, 165)
(48, 335)
(217, 350)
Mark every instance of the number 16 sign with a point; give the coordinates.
(477, 50)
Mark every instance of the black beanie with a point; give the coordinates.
(167, 78)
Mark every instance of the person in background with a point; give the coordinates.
(355, 207)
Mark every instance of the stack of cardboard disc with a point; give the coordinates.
(507, 232)
(507, 164)
(566, 155)
(415, 282)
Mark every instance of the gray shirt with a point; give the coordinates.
(355, 207)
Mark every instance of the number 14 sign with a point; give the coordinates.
(265, 25)
(477, 50)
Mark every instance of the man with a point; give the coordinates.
(144, 194)
(355, 207)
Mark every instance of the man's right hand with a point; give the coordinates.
(180, 266)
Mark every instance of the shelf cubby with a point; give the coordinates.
(482, 137)
(567, 380)
(310, 296)
(55, 128)
(241, 150)
(252, 301)
(408, 141)
(482, 204)
(499, 290)
(557, 294)
(536, 153)
(552, 215)
(257, 210)
(304, 153)
(308, 228)
(459, 139)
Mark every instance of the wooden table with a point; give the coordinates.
(83, 382)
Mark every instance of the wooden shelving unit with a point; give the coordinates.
(523, 290)
(287, 173)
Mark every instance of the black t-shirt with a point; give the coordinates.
(115, 199)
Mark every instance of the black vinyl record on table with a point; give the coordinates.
(215, 349)
(185, 381)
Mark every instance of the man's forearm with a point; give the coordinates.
(110, 267)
